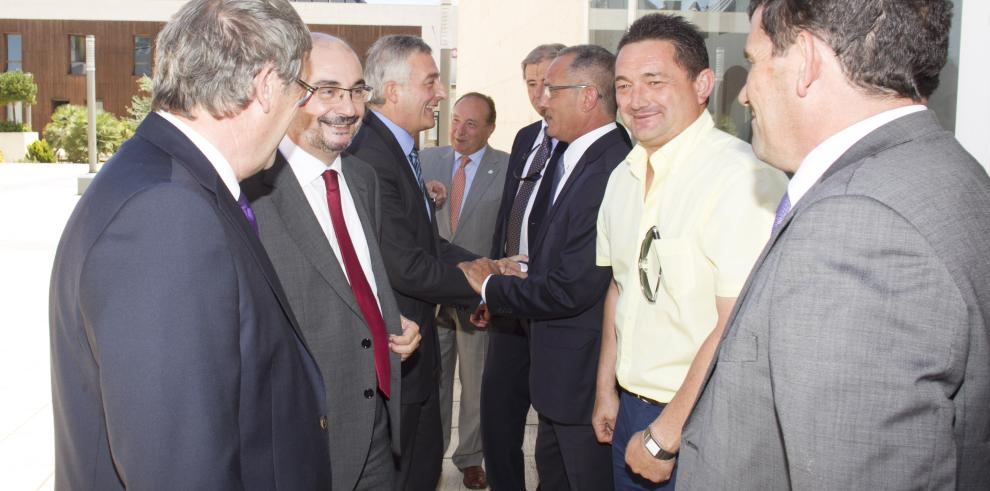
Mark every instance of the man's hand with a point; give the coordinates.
(437, 192)
(604, 414)
(644, 464)
(408, 342)
(481, 317)
(476, 271)
(515, 265)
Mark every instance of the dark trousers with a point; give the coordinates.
(379, 467)
(569, 457)
(634, 415)
(504, 404)
(421, 440)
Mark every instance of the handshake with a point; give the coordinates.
(478, 270)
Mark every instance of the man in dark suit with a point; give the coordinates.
(474, 172)
(176, 360)
(422, 268)
(857, 354)
(505, 380)
(565, 291)
(323, 242)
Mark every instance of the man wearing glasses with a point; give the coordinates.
(318, 216)
(682, 221)
(564, 294)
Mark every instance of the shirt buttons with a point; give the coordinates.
(368, 394)
(365, 343)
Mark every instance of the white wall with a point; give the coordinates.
(493, 37)
(973, 100)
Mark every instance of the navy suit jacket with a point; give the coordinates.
(176, 362)
(421, 265)
(564, 294)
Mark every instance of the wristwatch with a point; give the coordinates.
(654, 447)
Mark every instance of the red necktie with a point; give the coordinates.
(359, 284)
(457, 193)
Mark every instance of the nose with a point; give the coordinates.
(441, 92)
(636, 97)
(743, 95)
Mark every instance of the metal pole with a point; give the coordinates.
(91, 100)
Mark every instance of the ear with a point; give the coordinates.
(589, 98)
(391, 92)
(266, 82)
(807, 47)
(703, 84)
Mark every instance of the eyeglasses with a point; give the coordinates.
(548, 90)
(649, 291)
(329, 94)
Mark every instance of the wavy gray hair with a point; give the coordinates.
(210, 51)
(387, 62)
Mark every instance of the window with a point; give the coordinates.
(142, 55)
(77, 55)
(14, 53)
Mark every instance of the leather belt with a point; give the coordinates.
(652, 402)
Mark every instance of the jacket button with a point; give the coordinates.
(368, 394)
(365, 343)
(323, 423)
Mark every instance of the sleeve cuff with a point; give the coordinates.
(483, 287)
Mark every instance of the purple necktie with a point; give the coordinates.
(782, 209)
(248, 212)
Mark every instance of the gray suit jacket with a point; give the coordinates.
(858, 355)
(328, 314)
(476, 225)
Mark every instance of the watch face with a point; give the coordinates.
(653, 447)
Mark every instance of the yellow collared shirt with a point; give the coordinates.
(713, 203)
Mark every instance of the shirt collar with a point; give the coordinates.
(672, 154)
(212, 154)
(305, 166)
(817, 162)
(575, 150)
(406, 141)
(475, 157)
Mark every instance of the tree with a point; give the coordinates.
(67, 132)
(140, 103)
(18, 88)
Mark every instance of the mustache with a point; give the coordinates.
(339, 120)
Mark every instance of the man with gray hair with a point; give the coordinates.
(858, 355)
(563, 297)
(505, 379)
(422, 267)
(176, 360)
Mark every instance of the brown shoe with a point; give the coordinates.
(474, 477)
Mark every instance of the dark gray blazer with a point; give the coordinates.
(324, 303)
(476, 224)
(176, 361)
(858, 355)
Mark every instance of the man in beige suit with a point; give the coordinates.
(473, 174)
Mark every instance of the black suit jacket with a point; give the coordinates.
(421, 265)
(176, 361)
(564, 294)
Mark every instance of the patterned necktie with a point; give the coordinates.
(514, 231)
(782, 209)
(248, 212)
(457, 193)
(359, 283)
(418, 170)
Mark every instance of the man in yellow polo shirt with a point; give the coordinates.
(682, 221)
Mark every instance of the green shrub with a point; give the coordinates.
(140, 103)
(17, 87)
(40, 151)
(12, 127)
(67, 132)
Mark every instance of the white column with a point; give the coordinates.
(973, 94)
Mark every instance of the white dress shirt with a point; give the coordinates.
(575, 151)
(818, 161)
(309, 171)
(217, 160)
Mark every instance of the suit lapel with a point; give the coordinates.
(305, 230)
(166, 136)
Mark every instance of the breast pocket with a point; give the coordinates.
(674, 257)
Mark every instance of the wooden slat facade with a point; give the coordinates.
(45, 53)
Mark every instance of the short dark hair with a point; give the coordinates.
(598, 64)
(894, 47)
(690, 51)
(484, 98)
(541, 53)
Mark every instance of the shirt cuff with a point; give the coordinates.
(483, 286)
